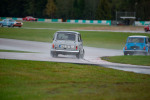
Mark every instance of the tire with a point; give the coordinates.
(54, 54)
(1, 25)
(147, 53)
(125, 53)
(78, 55)
(11, 25)
(83, 54)
(146, 30)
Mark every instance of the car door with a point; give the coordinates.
(5, 22)
(148, 43)
(8, 22)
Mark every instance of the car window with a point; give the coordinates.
(11, 20)
(79, 38)
(135, 40)
(146, 40)
(66, 36)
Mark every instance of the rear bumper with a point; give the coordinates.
(134, 51)
(65, 52)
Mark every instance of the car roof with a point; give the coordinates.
(67, 32)
(8, 19)
(139, 36)
(29, 16)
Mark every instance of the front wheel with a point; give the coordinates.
(1, 25)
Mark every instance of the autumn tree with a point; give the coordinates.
(50, 8)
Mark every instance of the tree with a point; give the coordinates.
(50, 8)
(103, 10)
(81, 8)
(31, 7)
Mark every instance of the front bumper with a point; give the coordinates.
(19, 25)
(65, 52)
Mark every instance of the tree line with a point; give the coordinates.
(74, 9)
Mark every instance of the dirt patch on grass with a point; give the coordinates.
(114, 28)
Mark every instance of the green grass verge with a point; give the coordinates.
(15, 51)
(57, 25)
(33, 80)
(111, 40)
(135, 60)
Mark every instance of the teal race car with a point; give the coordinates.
(10, 23)
(137, 45)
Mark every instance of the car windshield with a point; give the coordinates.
(66, 36)
(135, 40)
(11, 20)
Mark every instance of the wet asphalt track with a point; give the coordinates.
(41, 52)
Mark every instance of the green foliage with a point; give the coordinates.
(112, 40)
(135, 60)
(74, 9)
(104, 10)
(34, 80)
(1, 50)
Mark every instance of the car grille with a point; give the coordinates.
(135, 47)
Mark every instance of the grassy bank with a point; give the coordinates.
(1, 50)
(135, 60)
(33, 80)
(112, 40)
(57, 25)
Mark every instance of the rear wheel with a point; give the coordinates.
(147, 53)
(83, 54)
(146, 30)
(78, 55)
(125, 53)
(11, 25)
(53, 54)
